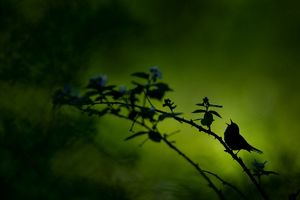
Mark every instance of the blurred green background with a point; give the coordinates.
(243, 55)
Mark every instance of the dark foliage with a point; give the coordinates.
(135, 104)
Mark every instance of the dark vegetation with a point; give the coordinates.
(46, 44)
(135, 104)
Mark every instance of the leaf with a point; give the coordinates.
(159, 91)
(100, 98)
(136, 135)
(156, 94)
(141, 75)
(147, 113)
(155, 136)
(208, 119)
(217, 106)
(199, 111)
(115, 94)
(215, 113)
(200, 104)
(138, 89)
(163, 86)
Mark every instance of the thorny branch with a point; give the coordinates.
(116, 100)
(209, 132)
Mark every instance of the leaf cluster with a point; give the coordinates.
(208, 114)
(135, 104)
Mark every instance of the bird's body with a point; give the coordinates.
(235, 140)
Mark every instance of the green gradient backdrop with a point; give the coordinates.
(242, 54)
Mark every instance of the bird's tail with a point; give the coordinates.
(256, 150)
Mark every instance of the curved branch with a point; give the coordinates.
(209, 132)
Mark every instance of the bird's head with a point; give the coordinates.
(233, 127)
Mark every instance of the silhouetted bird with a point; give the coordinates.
(235, 141)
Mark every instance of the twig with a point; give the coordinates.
(226, 183)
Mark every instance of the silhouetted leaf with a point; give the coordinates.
(141, 75)
(148, 113)
(138, 89)
(159, 91)
(199, 111)
(218, 106)
(156, 94)
(162, 86)
(207, 120)
(136, 135)
(115, 94)
(100, 98)
(155, 136)
(215, 113)
(200, 104)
